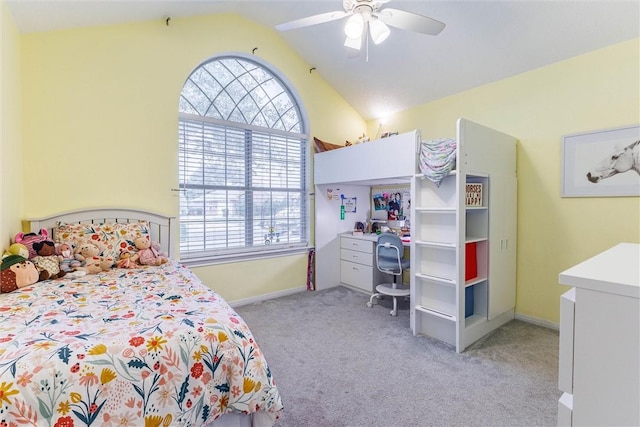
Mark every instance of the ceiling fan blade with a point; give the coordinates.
(312, 20)
(410, 21)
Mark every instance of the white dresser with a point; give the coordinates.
(358, 262)
(599, 366)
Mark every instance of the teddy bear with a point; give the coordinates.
(126, 261)
(88, 253)
(46, 260)
(149, 253)
(17, 272)
(68, 263)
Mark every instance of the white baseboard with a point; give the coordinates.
(537, 321)
(266, 297)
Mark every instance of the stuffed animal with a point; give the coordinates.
(164, 257)
(17, 272)
(17, 249)
(30, 238)
(148, 252)
(88, 253)
(126, 261)
(46, 260)
(67, 261)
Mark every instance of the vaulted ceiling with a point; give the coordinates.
(483, 41)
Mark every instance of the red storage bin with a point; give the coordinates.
(471, 261)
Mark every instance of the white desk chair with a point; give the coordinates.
(390, 260)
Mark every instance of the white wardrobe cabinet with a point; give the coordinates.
(599, 357)
(503, 241)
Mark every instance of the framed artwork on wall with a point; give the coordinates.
(604, 163)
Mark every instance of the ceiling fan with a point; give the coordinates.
(369, 16)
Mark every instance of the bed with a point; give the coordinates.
(144, 346)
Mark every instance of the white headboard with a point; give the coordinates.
(160, 225)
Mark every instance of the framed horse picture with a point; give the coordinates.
(604, 163)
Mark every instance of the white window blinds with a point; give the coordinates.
(242, 190)
(243, 162)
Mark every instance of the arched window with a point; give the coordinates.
(243, 163)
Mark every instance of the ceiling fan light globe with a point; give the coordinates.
(379, 31)
(354, 26)
(353, 43)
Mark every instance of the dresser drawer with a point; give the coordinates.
(357, 244)
(357, 275)
(357, 257)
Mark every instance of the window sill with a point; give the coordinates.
(227, 259)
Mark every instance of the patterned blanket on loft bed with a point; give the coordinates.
(437, 158)
(149, 346)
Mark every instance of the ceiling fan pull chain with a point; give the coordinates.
(366, 47)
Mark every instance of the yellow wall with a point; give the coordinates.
(10, 135)
(598, 90)
(100, 128)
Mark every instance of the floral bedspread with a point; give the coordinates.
(150, 346)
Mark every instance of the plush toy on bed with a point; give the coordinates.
(17, 249)
(88, 253)
(41, 252)
(126, 260)
(17, 272)
(46, 260)
(149, 252)
(29, 239)
(68, 263)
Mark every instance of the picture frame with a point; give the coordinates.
(602, 163)
(473, 194)
(350, 204)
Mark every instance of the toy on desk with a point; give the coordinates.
(358, 229)
(375, 228)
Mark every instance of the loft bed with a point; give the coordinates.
(438, 171)
(150, 345)
(352, 171)
(379, 162)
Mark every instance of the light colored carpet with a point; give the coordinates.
(339, 363)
